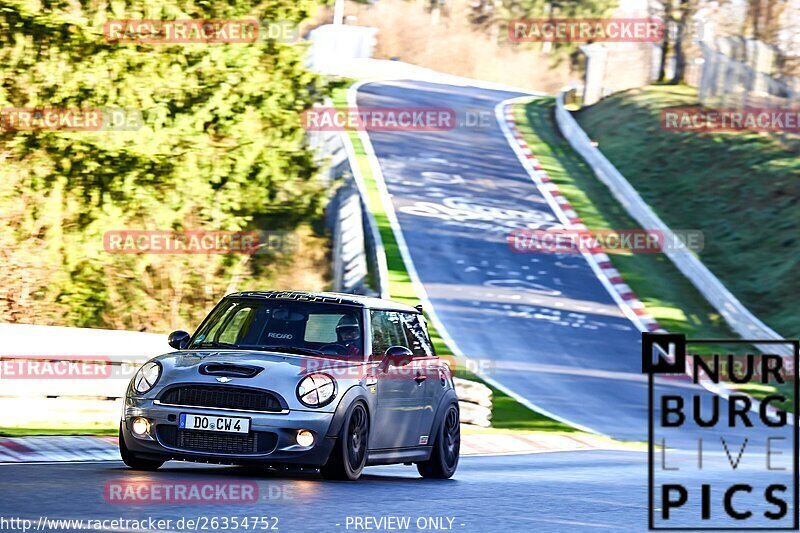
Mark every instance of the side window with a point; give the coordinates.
(236, 326)
(416, 334)
(222, 317)
(387, 330)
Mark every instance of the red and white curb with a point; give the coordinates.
(570, 218)
(499, 444)
(85, 448)
(58, 449)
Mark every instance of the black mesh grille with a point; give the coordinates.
(203, 441)
(209, 442)
(222, 397)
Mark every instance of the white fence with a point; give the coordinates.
(740, 319)
(33, 360)
(728, 82)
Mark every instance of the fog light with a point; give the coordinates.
(305, 438)
(140, 426)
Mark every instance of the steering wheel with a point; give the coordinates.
(337, 349)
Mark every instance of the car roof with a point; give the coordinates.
(330, 298)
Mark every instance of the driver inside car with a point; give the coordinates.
(349, 334)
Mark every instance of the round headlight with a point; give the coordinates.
(146, 377)
(316, 390)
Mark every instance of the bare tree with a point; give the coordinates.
(685, 11)
(664, 10)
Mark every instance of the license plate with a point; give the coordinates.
(227, 424)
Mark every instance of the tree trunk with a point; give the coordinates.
(680, 54)
(662, 67)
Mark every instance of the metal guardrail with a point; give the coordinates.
(357, 244)
(371, 232)
(740, 319)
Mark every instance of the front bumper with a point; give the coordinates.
(275, 434)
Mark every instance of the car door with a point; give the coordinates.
(400, 392)
(427, 366)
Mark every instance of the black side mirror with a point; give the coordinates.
(179, 339)
(397, 356)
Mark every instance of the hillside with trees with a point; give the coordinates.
(220, 147)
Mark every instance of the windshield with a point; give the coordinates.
(292, 327)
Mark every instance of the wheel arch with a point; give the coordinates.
(448, 398)
(354, 394)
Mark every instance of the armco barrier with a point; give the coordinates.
(740, 319)
(357, 244)
(348, 250)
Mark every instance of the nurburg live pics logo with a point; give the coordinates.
(718, 458)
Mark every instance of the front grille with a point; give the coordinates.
(214, 442)
(222, 398)
(260, 442)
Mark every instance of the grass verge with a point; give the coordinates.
(742, 190)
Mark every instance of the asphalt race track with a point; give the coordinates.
(486, 492)
(546, 326)
(519, 492)
(578, 491)
(550, 329)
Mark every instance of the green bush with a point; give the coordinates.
(221, 148)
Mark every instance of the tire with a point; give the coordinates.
(349, 455)
(446, 448)
(131, 460)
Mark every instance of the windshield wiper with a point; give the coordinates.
(291, 349)
(213, 344)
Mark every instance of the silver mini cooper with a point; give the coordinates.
(326, 381)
